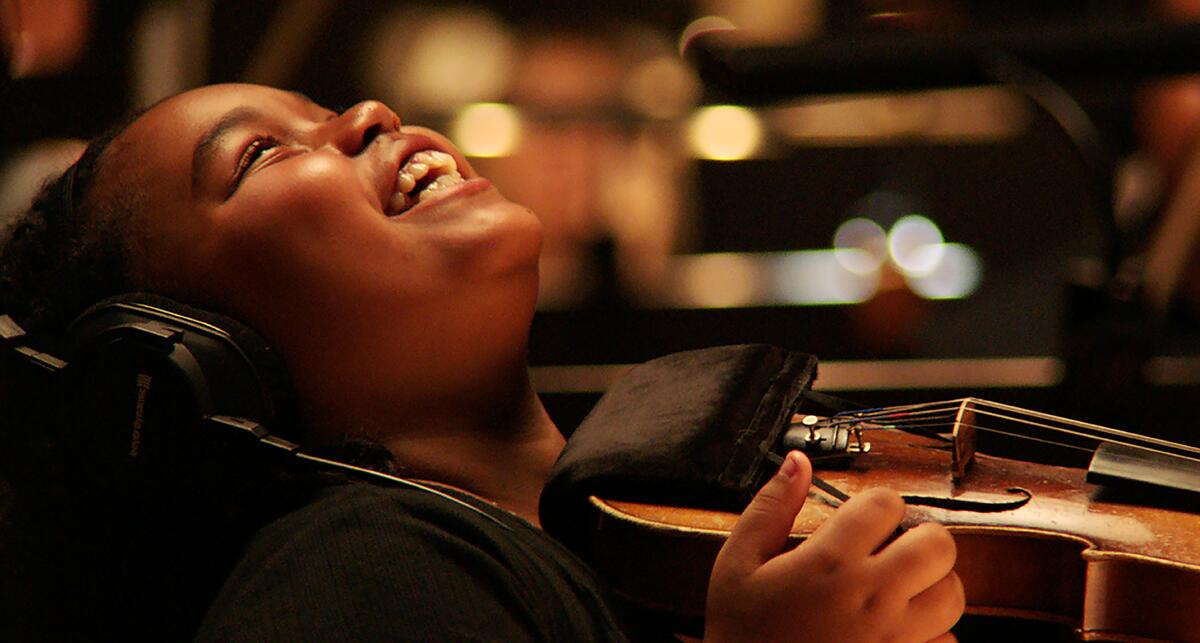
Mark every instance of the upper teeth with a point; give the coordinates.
(422, 164)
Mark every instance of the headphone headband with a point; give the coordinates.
(176, 403)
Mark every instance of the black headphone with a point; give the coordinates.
(172, 400)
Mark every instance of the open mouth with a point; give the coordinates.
(421, 177)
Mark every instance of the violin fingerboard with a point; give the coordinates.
(1116, 465)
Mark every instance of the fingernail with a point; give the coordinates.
(789, 466)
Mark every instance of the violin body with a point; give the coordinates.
(1114, 568)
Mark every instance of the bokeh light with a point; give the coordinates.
(438, 60)
(860, 245)
(725, 133)
(957, 275)
(817, 277)
(915, 245)
(719, 280)
(486, 129)
(662, 87)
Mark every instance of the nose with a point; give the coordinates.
(354, 129)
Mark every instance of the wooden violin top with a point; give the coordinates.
(1121, 567)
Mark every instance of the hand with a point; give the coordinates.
(838, 585)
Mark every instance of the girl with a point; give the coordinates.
(399, 286)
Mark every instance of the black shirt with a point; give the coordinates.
(370, 563)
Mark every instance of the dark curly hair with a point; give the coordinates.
(68, 250)
(64, 254)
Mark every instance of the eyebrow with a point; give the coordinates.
(207, 145)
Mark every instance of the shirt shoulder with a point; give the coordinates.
(364, 562)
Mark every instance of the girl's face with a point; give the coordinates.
(287, 214)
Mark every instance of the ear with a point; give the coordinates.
(164, 395)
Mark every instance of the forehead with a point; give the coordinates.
(183, 120)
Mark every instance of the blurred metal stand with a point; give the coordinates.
(1107, 51)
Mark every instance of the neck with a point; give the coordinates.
(502, 456)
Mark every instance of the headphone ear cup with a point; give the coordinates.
(145, 377)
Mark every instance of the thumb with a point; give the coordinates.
(761, 533)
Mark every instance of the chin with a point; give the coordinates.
(507, 236)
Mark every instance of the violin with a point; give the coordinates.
(1112, 550)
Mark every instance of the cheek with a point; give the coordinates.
(511, 244)
(283, 229)
(298, 209)
(311, 189)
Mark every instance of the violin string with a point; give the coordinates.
(887, 411)
(1129, 438)
(904, 421)
(912, 418)
(922, 428)
(930, 430)
(1023, 436)
(947, 424)
(898, 421)
(950, 406)
(935, 415)
(926, 427)
(1092, 437)
(1020, 436)
(929, 414)
(948, 420)
(899, 408)
(854, 417)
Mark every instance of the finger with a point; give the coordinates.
(948, 637)
(762, 530)
(918, 559)
(862, 524)
(936, 610)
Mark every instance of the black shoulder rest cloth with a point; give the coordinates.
(687, 429)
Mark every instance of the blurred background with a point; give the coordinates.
(935, 197)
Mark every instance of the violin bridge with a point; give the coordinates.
(964, 440)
